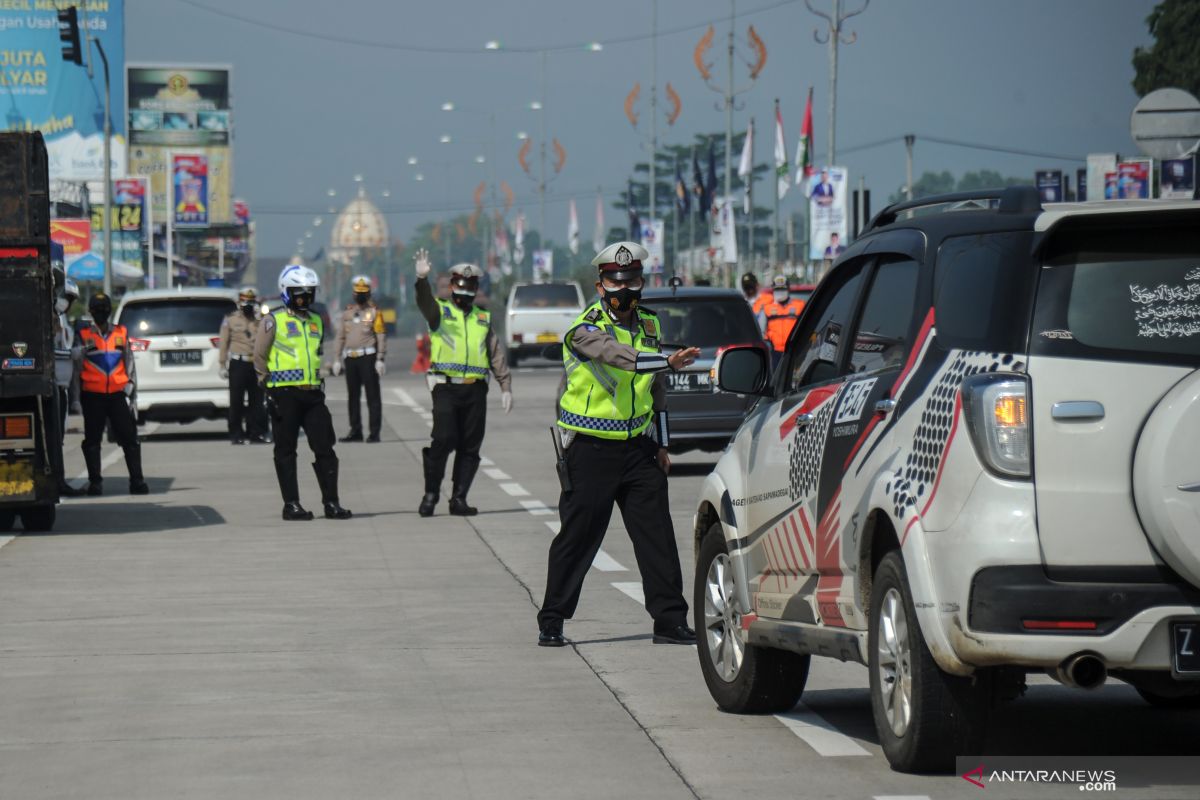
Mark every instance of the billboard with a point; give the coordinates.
(1098, 167)
(826, 191)
(652, 239)
(185, 108)
(74, 235)
(41, 92)
(189, 174)
(128, 223)
(1177, 178)
(1049, 184)
(1133, 179)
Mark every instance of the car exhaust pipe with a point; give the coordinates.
(1081, 671)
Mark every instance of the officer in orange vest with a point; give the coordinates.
(781, 312)
(107, 383)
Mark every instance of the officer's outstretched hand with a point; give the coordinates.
(683, 358)
(506, 401)
(380, 367)
(423, 265)
(664, 460)
(336, 367)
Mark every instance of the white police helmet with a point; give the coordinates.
(71, 289)
(296, 278)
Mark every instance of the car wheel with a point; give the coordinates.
(924, 716)
(38, 518)
(7, 519)
(742, 678)
(1184, 700)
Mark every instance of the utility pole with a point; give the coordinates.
(750, 200)
(542, 181)
(692, 228)
(653, 108)
(833, 36)
(675, 225)
(909, 141)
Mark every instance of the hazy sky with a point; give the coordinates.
(1049, 76)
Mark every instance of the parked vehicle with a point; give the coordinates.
(539, 314)
(977, 460)
(175, 335)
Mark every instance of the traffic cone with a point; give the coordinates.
(421, 362)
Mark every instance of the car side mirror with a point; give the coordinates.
(553, 351)
(743, 370)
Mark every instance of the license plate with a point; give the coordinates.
(545, 338)
(689, 382)
(16, 481)
(1185, 648)
(180, 358)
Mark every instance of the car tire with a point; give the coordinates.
(924, 717)
(7, 520)
(742, 678)
(38, 519)
(1178, 701)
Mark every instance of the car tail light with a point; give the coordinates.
(216, 341)
(997, 411)
(139, 345)
(1058, 624)
(518, 338)
(17, 426)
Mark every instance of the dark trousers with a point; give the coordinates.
(245, 398)
(111, 409)
(361, 374)
(291, 410)
(627, 473)
(55, 412)
(459, 420)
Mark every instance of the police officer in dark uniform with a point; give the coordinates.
(360, 347)
(612, 422)
(239, 329)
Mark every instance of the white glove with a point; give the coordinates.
(506, 401)
(336, 369)
(224, 373)
(380, 367)
(423, 265)
(128, 390)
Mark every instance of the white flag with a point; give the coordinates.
(598, 233)
(519, 239)
(781, 159)
(573, 229)
(746, 165)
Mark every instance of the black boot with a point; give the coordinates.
(289, 487)
(428, 504)
(294, 512)
(327, 478)
(433, 481)
(352, 436)
(464, 473)
(133, 462)
(91, 457)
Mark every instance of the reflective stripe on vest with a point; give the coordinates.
(295, 357)
(458, 347)
(103, 360)
(601, 400)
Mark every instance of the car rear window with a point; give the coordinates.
(168, 317)
(546, 295)
(983, 286)
(707, 322)
(1122, 294)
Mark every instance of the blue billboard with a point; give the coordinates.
(41, 92)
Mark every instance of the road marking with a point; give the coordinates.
(6, 539)
(901, 797)
(487, 462)
(819, 734)
(537, 508)
(514, 489)
(405, 398)
(631, 589)
(554, 525)
(606, 563)
(497, 474)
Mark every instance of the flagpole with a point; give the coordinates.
(653, 110)
(675, 226)
(692, 229)
(750, 199)
(774, 249)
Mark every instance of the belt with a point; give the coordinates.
(365, 351)
(440, 378)
(240, 357)
(306, 387)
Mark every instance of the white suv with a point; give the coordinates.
(539, 314)
(977, 459)
(175, 336)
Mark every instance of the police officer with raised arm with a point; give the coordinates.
(287, 358)
(463, 349)
(612, 422)
(239, 329)
(359, 347)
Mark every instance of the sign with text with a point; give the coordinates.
(189, 175)
(1049, 184)
(827, 213)
(1177, 178)
(75, 236)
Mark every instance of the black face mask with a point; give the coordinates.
(248, 310)
(623, 299)
(463, 301)
(101, 313)
(302, 299)
(362, 298)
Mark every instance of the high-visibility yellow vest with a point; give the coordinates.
(458, 347)
(601, 400)
(295, 357)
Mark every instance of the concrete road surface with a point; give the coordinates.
(189, 644)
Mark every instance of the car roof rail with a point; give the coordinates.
(1009, 200)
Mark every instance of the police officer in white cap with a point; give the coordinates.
(612, 423)
(360, 346)
(463, 349)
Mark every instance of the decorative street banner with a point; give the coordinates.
(1049, 184)
(190, 175)
(1177, 179)
(652, 240)
(543, 266)
(1133, 179)
(41, 92)
(827, 231)
(128, 223)
(75, 236)
(1081, 185)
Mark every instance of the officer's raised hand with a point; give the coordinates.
(423, 265)
(682, 358)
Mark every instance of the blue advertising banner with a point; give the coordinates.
(191, 190)
(1049, 185)
(41, 92)
(1081, 185)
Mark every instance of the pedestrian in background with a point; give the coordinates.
(781, 314)
(239, 329)
(359, 347)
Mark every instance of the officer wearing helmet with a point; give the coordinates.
(463, 348)
(360, 347)
(107, 385)
(781, 314)
(287, 358)
(239, 329)
(612, 424)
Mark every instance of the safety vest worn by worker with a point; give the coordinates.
(103, 360)
(458, 347)
(604, 401)
(781, 318)
(295, 357)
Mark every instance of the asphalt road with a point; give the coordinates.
(190, 644)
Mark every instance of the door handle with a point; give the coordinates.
(1077, 410)
(885, 406)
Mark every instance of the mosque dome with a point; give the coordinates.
(360, 224)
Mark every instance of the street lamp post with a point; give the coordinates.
(833, 36)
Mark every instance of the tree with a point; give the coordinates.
(1174, 59)
(931, 183)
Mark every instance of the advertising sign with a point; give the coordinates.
(128, 223)
(1049, 184)
(1177, 179)
(652, 240)
(1110, 185)
(190, 194)
(543, 266)
(826, 192)
(39, 91)
(1098, 167)
(1133, 179)
(241, 212)
(1081, 185)
(75, 236)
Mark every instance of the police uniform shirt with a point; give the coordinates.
(264, 341)
(497, 357)
(238, 334)
(358, 328)
(593, 343)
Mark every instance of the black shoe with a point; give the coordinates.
(428, 503)
(678, 634)
(294, 512)
(95, 488)
(67, 490)
(335, 511)
(237, 440)
(551, 636)
(459, 508)
(373, 438)
(139, 487)
(351, 437)
(259, 440)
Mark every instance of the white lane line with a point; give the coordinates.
(819, 734)
(606, 563)
(514, 489)
(901, 797)
(554, 525)
(487, 462)
(497, 474)
(537, 508)
(5, 540)
(405, 398)
(116, 454)
(631, 589)
(429, 422)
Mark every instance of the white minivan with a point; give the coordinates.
(539, 314)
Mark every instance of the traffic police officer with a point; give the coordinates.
(108, 382)
(362, 342)
(236, 357)
(781, 313)
(612, 421)
(287, 358)
(463, 348)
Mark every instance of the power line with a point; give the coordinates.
(418, 48)
(921, 137)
